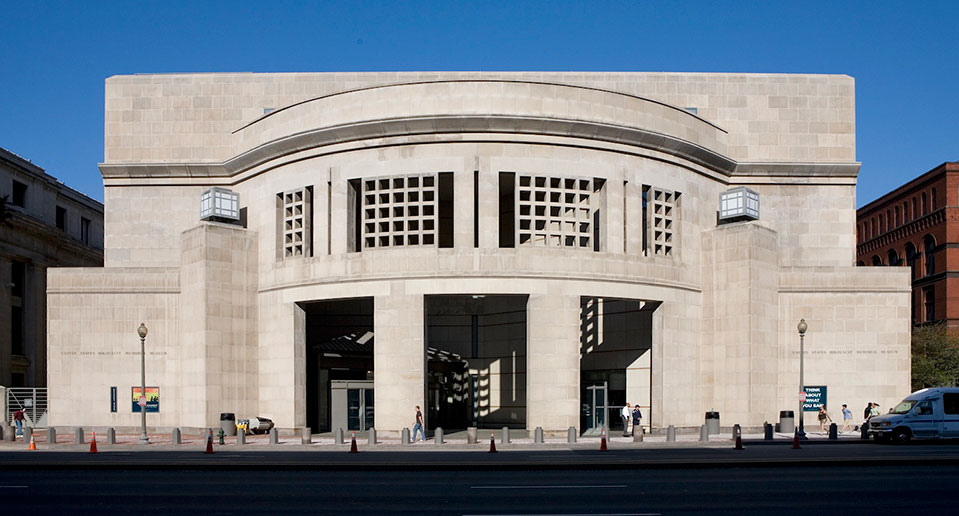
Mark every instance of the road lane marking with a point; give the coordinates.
(591, 486)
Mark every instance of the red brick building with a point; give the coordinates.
(917, 226)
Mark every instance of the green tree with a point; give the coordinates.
(4, 212)
(935, 357)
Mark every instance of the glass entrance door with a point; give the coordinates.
(359, 415)
(595, 408)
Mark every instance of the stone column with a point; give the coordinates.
(399, 359)
(553, 361)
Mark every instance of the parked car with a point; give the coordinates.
(926, 414)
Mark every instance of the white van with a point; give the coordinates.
(927, 414)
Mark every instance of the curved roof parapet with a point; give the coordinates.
(480, 106)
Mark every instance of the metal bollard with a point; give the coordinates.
(306, 435)
(78, 436)
(405, 436)
(10, 433)
(240, 436)
(371, 436)
(338, 436)
(864, 431)
(833, 432)
(767, 432)
(737, 432)
(571, 435)
(438, 435)
(538, 435)
(471, 435)
(51, 435)
(670, 434)
(505, 436)
(112, 436)
(27, 433)
(703, 433)
(176, 437)
(274, 436)
(638, 437)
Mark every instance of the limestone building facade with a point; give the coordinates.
(46, 224)
(501, 249)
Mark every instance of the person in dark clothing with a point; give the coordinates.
(637, 419)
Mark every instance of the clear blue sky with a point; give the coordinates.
(54, 57)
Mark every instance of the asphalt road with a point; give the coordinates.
(886, 489)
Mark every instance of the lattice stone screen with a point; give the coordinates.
(399, 211)
(555, 211)
(295, 208)
(664, 215)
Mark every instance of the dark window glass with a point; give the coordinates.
(18, 273)
(85, 230)
(19, 194)
(930, 250)
(445, 209)
(62, 218)
(950, 403)
(507, 209)
(929, 299)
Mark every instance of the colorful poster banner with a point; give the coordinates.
(152, 399)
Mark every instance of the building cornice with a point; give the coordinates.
(491, 124)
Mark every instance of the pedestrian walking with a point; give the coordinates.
(866, 414)
(418, 425)
(637, 420)
(18, 417)
(846, 418)
(823, 417)
(626, 415)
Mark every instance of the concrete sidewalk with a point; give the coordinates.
(325, 442)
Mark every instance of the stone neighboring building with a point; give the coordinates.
(917, 226)
(49, 225)
(529, 249)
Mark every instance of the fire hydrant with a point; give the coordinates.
(221, 433)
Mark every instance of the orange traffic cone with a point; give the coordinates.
(33, 443)
(602, 443)
(796, 440)
(492, 443)
(209, 443)
(93, 443)
(353, 444)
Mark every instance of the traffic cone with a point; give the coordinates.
(33, 443)
(739, 442)
(353, 444)
(602, 443)
(492, 443)
(209, 442)
(796, 440)
(93, 443)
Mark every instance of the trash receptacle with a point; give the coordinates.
(712, 423)
(787, 421)
(228, 423)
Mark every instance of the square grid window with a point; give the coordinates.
(399, 211)
(294, 208)
(664, 208)
(555, 212)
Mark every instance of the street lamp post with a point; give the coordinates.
(802, 386)
(142, 332)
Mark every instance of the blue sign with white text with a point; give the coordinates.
(815, 398)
